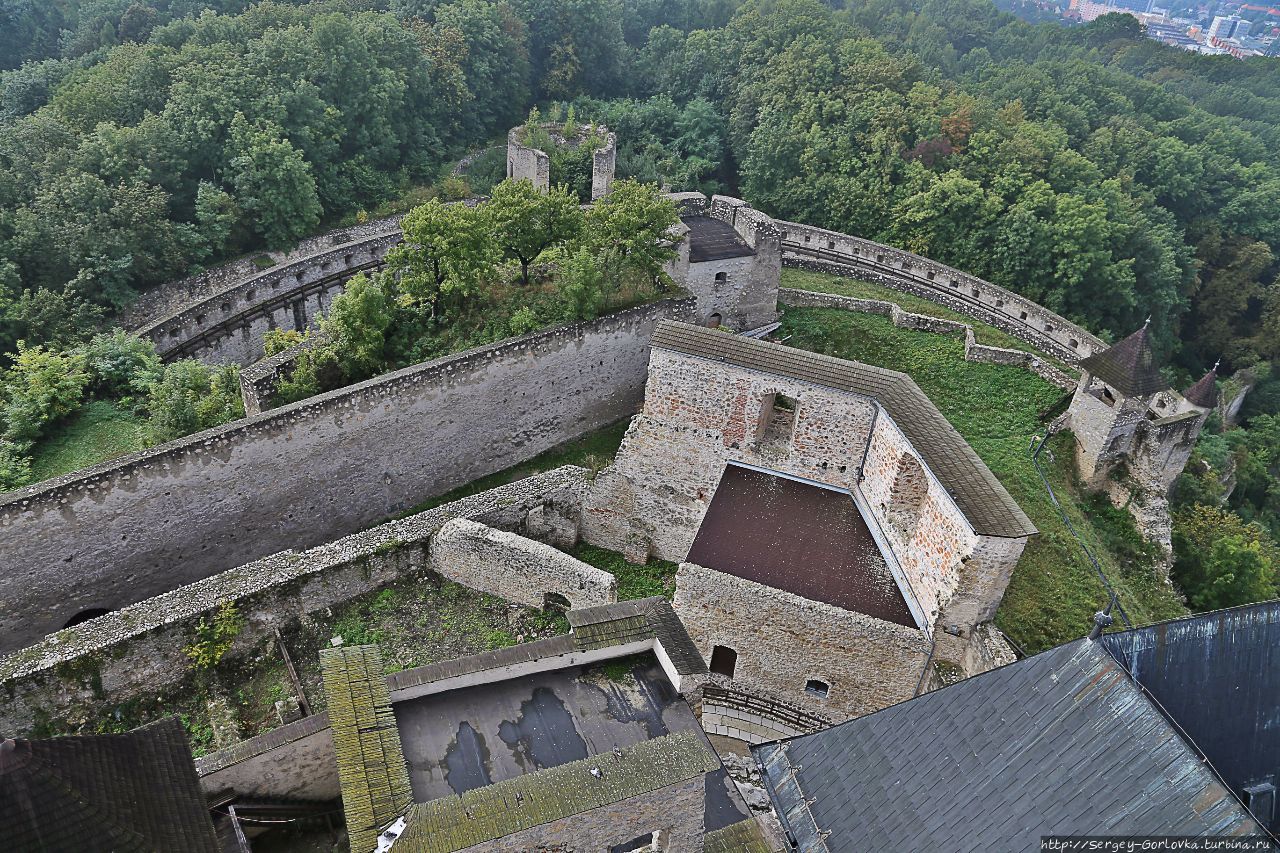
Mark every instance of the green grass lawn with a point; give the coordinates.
(819, 282)
(97, 432)
(657, 577)
(1054, 591)
(594, 451)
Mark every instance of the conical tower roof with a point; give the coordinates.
(1205, 392)
(1129, 366)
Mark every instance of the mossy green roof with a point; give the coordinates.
(371, 768)
(506, 807)
(745, 836)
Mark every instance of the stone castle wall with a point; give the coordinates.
(228, 326)
(138, 526)
(515, 568)
(782, 641)
(526, 163)
(819, 249)
(138, 652)
(973, 351)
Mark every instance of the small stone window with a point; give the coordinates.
(1073, 343)
(199, 319)
(1048, 328)
(831, 244)
(929, 275)
(955, 285)
(777, 422)
(715, 320)
(1022, 315)
(975, 293)
(722, 277)
(879, 259)
(554, 601)
(724, 660)
(908, 494)
(226, 306)
(999, 303)
(250, 294)
(814, 687)
(784, 235)
(807, 238)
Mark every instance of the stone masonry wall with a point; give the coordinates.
(808, 247)
(973, 351)
(677, 810)
(229, 325)
(137, 652)
(515, 568)
(698, 415)
(783, 640)
(307, 473)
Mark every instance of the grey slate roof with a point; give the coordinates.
(1129, 366)
(1060, 743)
(989, 508)
(628, 621)
(136, 791)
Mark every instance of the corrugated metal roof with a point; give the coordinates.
(984, 502)
(1063, 743)
(100, 793)
(1218, 676)
(375, 781)
(497, 810)
(800, 538)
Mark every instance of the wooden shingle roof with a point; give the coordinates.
(136, 791)
(984, 502)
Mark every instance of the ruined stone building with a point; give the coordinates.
(1134, 433)
(526, 163)
(837, 533)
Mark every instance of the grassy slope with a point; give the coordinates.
(1054, 591)
(98, 432)
(826, 283)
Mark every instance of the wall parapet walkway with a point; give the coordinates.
(807, 247)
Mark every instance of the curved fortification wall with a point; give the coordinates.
(307, 473)
(229, 325)
(830, 251)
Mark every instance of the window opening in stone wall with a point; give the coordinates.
(642, 844)
(906, 498)
(1022, 315)
(722, 277)
(777, 422)
(715, 320)
(724, 660)
(85, 615)
(814, 687)
(555, 601)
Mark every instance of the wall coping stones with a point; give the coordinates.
(259, 744)
(203, 596)
(357, 397)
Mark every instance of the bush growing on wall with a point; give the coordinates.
(214, 637)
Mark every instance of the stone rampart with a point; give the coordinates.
(518, 569)
(229, 325)
(259, 381)
(818, 249)
(173, 296)
(973, 351)
(135, 527)
(138, 651)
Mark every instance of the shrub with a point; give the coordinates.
(15, 466)
(191, 396)
(214, 637)
(279, 340)
(41, 386)
(1221, 561)
(122, 365)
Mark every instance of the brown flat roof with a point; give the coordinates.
(797, 537)
(713, 239)
(985, 503)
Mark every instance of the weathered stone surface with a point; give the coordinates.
(139, 651)
(515, 568)
(525, 163)
(145, 523)
(782, 641)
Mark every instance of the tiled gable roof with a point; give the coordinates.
(984, 502)
(136, 791)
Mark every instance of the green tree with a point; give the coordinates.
(630, 229)
(42, 386)
(447, 251)
(121, 366)
(273, 183)
(1220, 561)
(190, 397)
(581, 285)
(526, 222)
(15, 466)
(357, 327)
